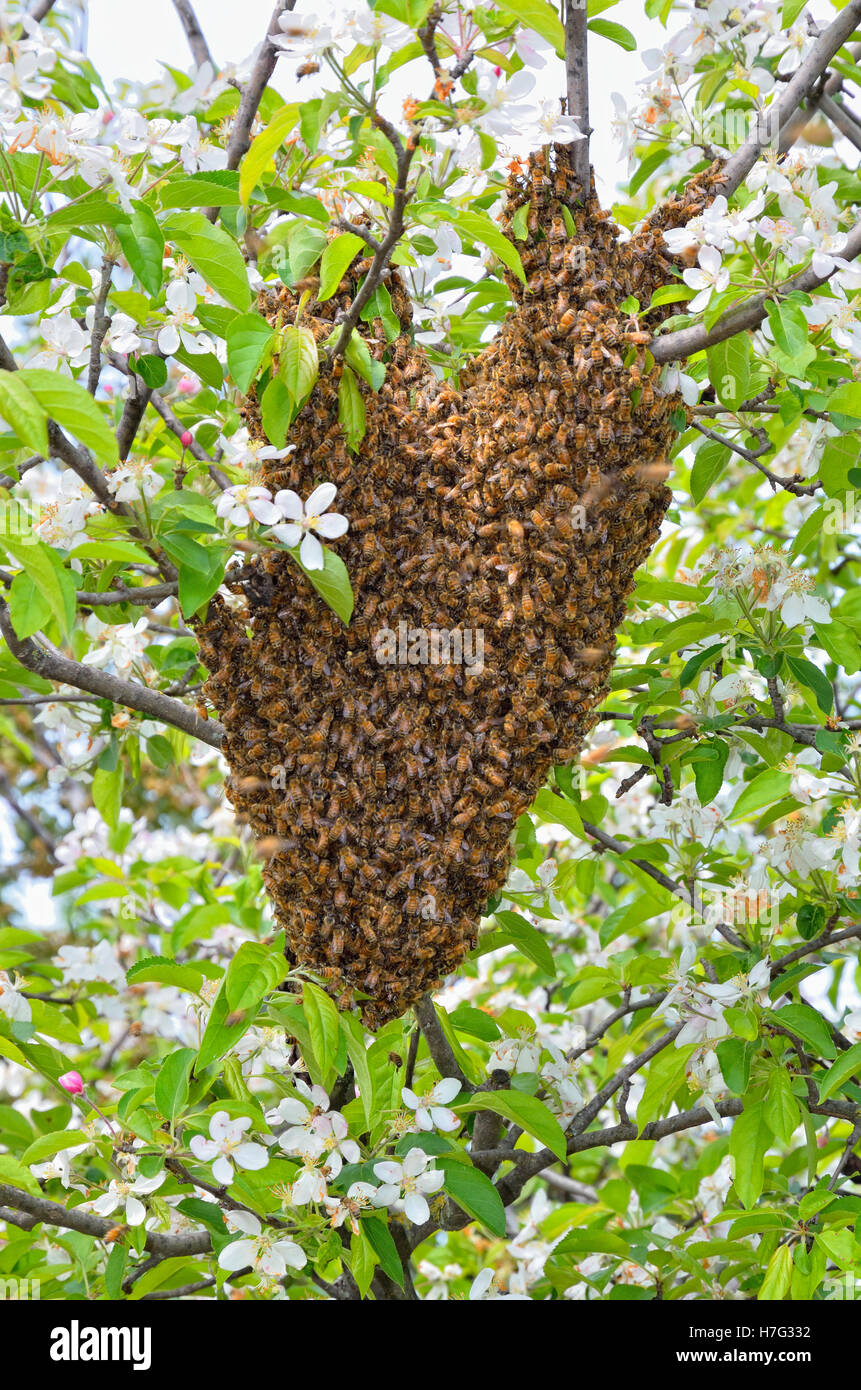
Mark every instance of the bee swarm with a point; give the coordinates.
(385, 796)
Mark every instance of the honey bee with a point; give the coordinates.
(402, 781)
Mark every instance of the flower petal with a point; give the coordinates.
(332, 525)
(321, 499)
(311, 553)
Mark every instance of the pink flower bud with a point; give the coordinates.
(497, 72)
(73, 1082)
(186, 439)
(187, 386)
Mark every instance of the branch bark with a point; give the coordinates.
(797, 90)
(438, 1044)
(193, 32)
(577, 85)
(56, 667)
(252, 94)
(674, 347)
(74, 1219)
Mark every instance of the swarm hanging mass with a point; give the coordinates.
(385, 795)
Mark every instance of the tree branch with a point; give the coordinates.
(577, 86)
(74, 1219)
(56, 667)
(404, 156)
(146, 595)
(438, 1044)
(252, 93)
(800, 87)
(673, 347)
(843, 119)
(193, 32)
(101, 324)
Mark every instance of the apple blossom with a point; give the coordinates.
(306, 521)
(227, 1147)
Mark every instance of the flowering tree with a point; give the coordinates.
(641, 1077)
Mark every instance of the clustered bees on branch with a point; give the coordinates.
(384, 797)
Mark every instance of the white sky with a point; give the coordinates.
(129, 41)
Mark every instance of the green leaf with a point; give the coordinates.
(810, 920)
(211, 188)
(540, 16)
(13, 1172)
(332, 583)
(44, 567)
(846, 1066)
(709, 463)
(263, 148)
(363, 364)
(171, 1083)
(351, 410)
(200, 579)
(479, 227)
(298, 362)
(363, 1260)
(735, 1057)
(666, 1076)
(810, 676)
(323, 1024)
(115, 1271)
(782, 1112)
(380, 1237)
(213, 254)
(748, 1145)
(249, 338)
(708, 764)
(220, 1035)
(475, 1022)
(729, 370)
(475, 1193)
(769, 787)
(526, 1111)
(845, 403)
(21, 410)
(254, 971)
(152, 369)
(163, 970)
(778, 1276)
(354, 1036)
(792, 347)
(142, 241)
(790, 12)
(306, 245)
(336, 259)
(277, 410)
(49, 1144)
(528, 940)
(108, 794)
(808, 1025)
(73, 408)
(553, 809)
(617, 33)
